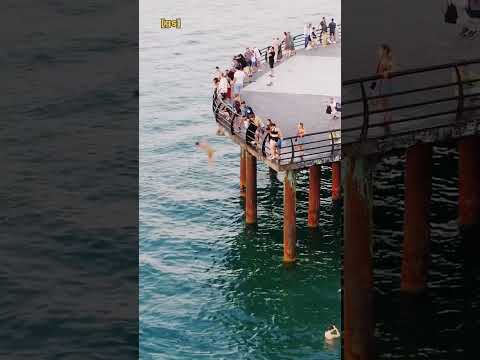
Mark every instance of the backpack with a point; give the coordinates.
(473, 8)
(338, 107)
(451, 14)
(329, 109)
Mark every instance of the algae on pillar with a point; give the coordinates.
(314, 195)
(251, 193)
(416, 243)
(357, 260)
(289, 217)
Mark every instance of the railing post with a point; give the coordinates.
(263, 144)
(293, 152)
(366, 113)
(232, 128)
(460, 98)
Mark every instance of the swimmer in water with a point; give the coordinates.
(332, 333)
(207, 148)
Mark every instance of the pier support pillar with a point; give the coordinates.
(469, 222)
(416, 243)
(289, 217)
(243, 173)
(336, 180)
(251, 191)
(357, 261)
(314, 195)
(469, 181)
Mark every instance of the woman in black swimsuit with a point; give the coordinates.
(275, 136)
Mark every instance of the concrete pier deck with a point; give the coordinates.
(299, 91)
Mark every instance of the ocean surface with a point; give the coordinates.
(210, 287)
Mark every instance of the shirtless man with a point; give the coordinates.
(332, 333)
(204, 146)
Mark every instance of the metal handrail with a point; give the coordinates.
(436, 108)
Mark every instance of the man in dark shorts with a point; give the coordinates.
(332, 26)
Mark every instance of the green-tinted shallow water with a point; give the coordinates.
(210, 287)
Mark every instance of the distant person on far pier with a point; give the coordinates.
(205, 147)
(238, 79)
(332, 333)
(332, 27)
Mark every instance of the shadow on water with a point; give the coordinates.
(281, 311)
(438, 323)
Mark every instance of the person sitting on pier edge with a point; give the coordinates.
(275, 141)
(332, 332)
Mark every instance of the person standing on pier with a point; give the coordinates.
(299, 139)
(306, 34)
(223, 86)
(238, 78)
(279, 50)
(271, 59)
(275, 140)
(384, 85)
(258, 58)
(332, 26)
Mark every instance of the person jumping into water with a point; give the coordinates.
(204, 146)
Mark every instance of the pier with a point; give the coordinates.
(299, 91)
(426, 106)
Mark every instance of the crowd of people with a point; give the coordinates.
(324, 34)
(228, 85)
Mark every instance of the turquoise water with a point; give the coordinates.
(210, 287)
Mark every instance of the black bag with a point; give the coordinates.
(451, 14)
(338, 107)
(373, 85)
(329, 109)
(473, 9)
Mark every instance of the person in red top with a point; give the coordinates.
(383, 86)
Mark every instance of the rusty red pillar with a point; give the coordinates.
(357, 261)
(416, 243)
(314, 195)
(469, 181)
(243, 174)
(251, 192)
(289, 217)
(336, 180)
